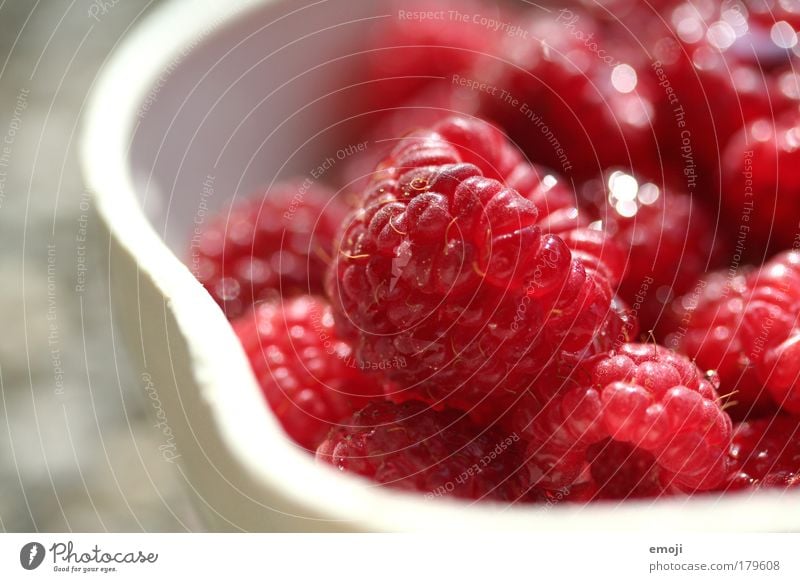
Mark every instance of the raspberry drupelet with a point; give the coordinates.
(410, 446)
(447, 265)
(309, 376)
(643, 395)
(277, 243)
(748, 328)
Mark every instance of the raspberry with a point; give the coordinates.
(644, 395)
(747, 329)
(736, 53)
(570, 108)
(621, 471)
(309, 376)
(416, 45)
(580, 493)
(670, 239)
(785, 91)
(612, 10)
(762, 178)
(709, 320)
(448, 268)
(765, 453)
(709, 101)
(412, 447)
(742, 32)
(277, 244)
(617, 472)
(771, 321)
(771, 39)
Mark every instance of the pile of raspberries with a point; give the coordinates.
(565, 269)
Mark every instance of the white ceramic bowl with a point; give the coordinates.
(225, 94)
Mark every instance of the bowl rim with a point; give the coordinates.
(108, 126)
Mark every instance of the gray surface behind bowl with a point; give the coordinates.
(87, 458)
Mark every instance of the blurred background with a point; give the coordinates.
(76, 450)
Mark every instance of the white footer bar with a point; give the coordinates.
(490, 557)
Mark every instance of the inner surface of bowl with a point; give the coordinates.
(264, 97)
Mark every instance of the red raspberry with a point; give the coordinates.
(747, 328)
(762, 178)
(706, 102)
(769, 11)
(692, 86)
(445, 266)
(771, 319)
(621, 471)
(580, 493)
(643, 395)
(670, 239)
(309, 377)
(418, 44)
(570, 107)
(613, 10)
(765, 453)
(708, 321)
(279, 243)
(617, 472)
(772, 30)
(412, 447)
(743, 32)
(785, 91)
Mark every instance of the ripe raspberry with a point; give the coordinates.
(762, 178)
(621, 471)
(569, 107)
(613, 10)
(412, 447)
(445, 266)
(643, 395)
(410, 53)
(747, 328)
(741, 46)
(785, 91)
(309, 377)
(709, 101)
(580, 493)
(771, 38)
(617, 472)
(670, 239)
(279, 243)
(742, 32)
(764, 454)
(708, 321)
